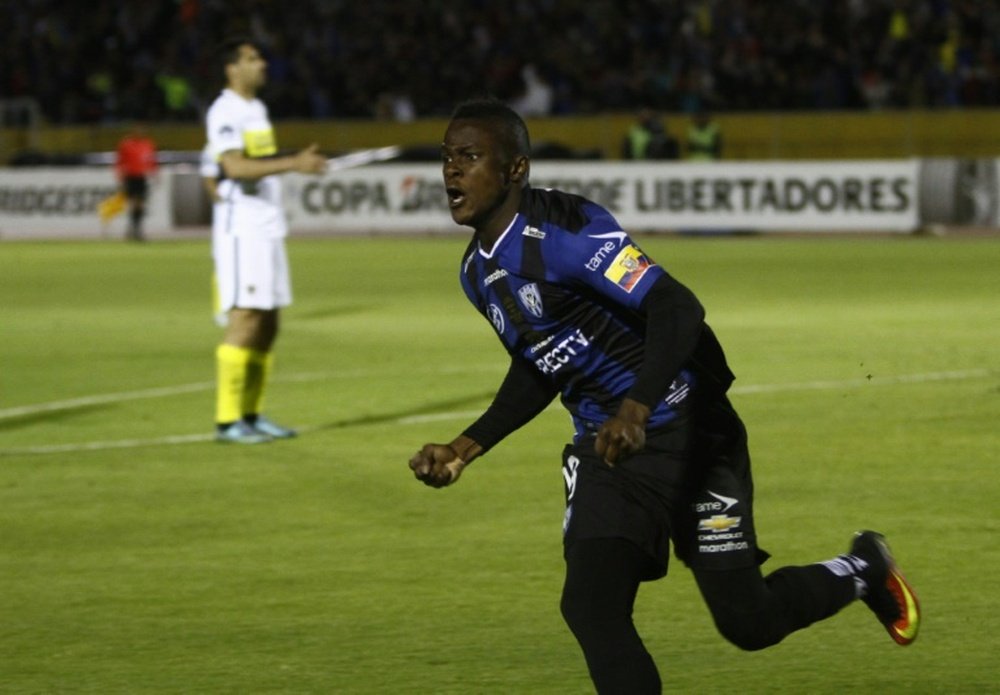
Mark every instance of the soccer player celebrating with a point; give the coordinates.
(248, 229)
(659, 455)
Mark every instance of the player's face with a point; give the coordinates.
(250, 69)
(478, 176)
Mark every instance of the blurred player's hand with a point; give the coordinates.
(437, 465)
(624, 433)
(309, 160)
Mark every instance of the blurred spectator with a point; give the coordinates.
(535, 98)
(177, 97)
(704, 138)
(394, 106)
(96, 61)
(648, 139)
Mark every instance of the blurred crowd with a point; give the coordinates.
(116, 60)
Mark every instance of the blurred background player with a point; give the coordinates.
(135, 162)
(208, 173)
(249, 229)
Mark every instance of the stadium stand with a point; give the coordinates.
(110, 61)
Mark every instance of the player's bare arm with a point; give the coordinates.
(305, 161)
(440, 465)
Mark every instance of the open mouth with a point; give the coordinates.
(455, 197)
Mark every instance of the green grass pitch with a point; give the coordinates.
(137, 556)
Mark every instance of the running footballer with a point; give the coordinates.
(658, 455)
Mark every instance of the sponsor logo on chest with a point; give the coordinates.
(562, 352)
(595, 261)
(494, 276)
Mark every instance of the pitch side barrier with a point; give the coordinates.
(62, 203)
(896, 196)
(765, 196)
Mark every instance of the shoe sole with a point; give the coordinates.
(254, 440)
(904, 629)
(275, 435)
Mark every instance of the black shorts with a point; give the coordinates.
(136, 187)
(691, 484)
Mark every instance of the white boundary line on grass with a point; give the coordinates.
(179, 389)
(769, 388)
(407, 420)
(101, 399)
(956, 375)
(106, 446)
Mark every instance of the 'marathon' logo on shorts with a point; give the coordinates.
(729, 547)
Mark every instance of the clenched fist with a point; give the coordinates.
(437, 465)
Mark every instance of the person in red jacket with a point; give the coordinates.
(135, 162)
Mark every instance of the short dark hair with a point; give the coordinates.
(229, 50)
(513, 131)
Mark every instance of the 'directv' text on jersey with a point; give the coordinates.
(562, 287)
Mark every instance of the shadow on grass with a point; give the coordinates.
(393, 416)
(208, 437)
(325, 312)
(52, 416)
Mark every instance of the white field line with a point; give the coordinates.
(105, 446)
(957, 375)
(102, 399)
(407, 420)
(179, 389)
(763, 388)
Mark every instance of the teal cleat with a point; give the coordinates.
(241, 433)
(272, 429)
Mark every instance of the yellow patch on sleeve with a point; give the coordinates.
(628, 267)
(259, 143)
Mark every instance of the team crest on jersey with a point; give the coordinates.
(531, 298)
(495, 316)
(628, 267)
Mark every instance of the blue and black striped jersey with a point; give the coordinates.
(562, 288)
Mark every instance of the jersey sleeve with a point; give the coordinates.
(523, 394)
(604, 257)
(208, 166)
(224, 130)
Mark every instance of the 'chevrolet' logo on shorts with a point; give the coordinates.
(719, 522)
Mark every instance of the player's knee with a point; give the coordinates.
(575, 611)
(587, 619)
(749, 631)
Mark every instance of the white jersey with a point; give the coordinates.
(253, 206)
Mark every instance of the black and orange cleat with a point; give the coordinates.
(888, 595)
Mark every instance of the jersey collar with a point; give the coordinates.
(500, 239)
(232, 93)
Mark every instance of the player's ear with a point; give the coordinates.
(519, 169)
